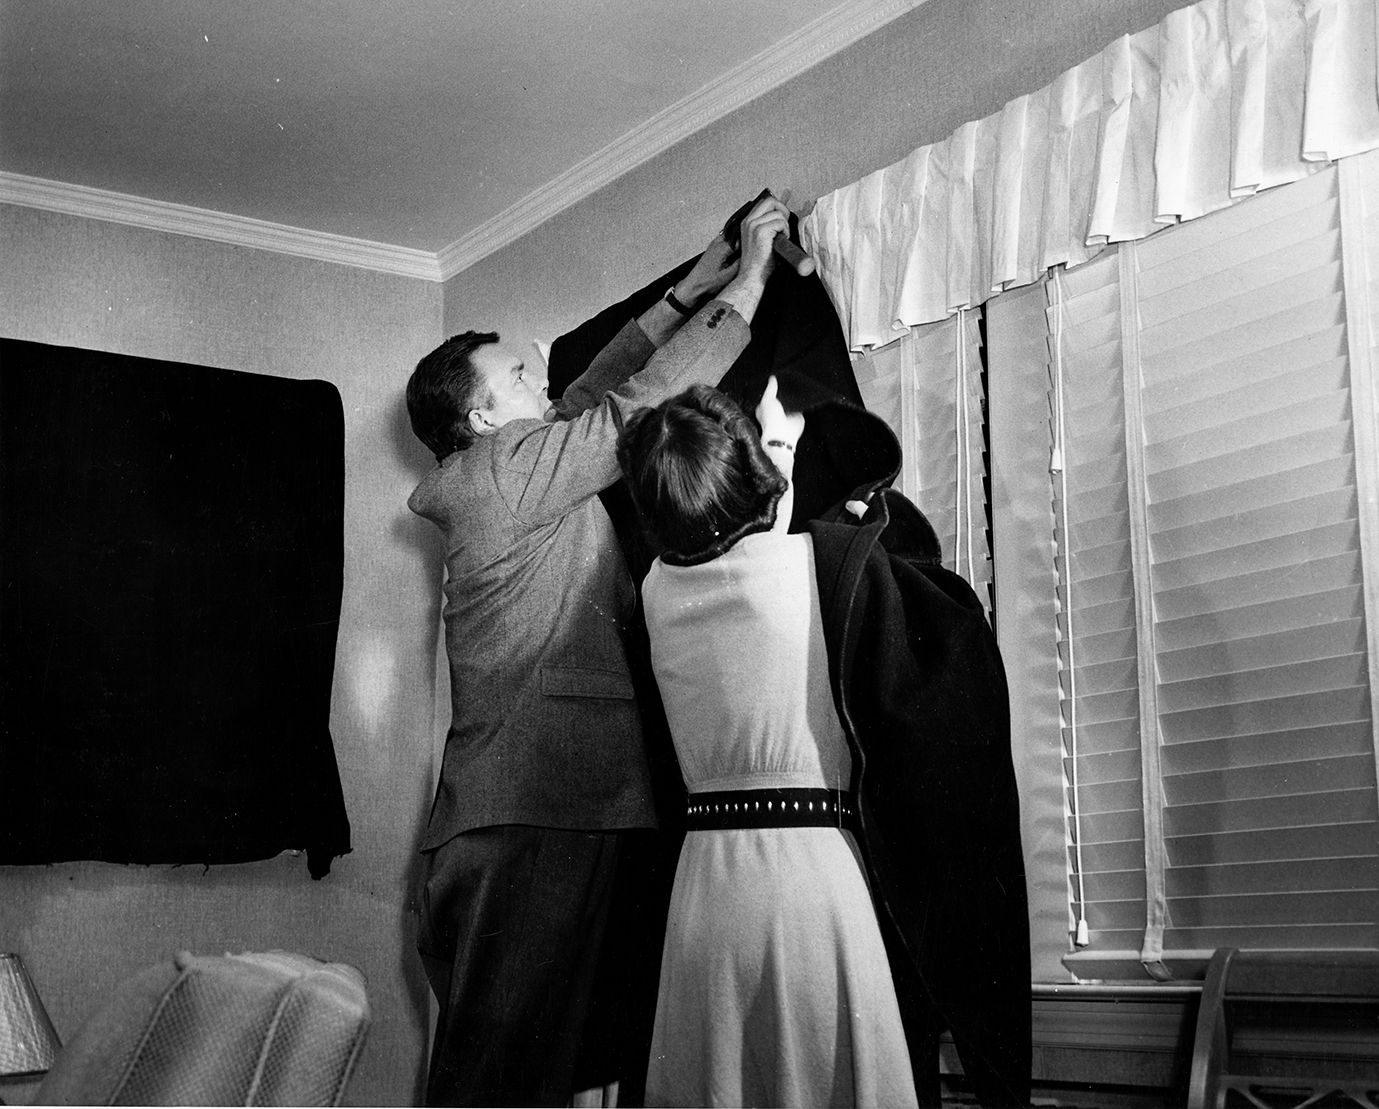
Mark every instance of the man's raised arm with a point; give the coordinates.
(544, 470)
(715, 274)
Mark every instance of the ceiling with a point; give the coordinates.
(428, 125)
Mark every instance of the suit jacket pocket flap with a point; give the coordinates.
(578, 681)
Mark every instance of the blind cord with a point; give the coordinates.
(957, 450)
(967, 445)
(1058, 465)
(962, 542)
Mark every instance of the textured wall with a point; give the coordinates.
(82, 927)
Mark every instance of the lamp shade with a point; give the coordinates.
(28, 1042)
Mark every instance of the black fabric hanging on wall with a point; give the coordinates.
(171, 564)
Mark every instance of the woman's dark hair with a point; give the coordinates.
(698, 475)
(442, 390)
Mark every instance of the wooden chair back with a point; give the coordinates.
(1287, 1029)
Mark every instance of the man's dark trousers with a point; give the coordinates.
(542, 946)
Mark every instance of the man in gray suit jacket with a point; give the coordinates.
(545, 790)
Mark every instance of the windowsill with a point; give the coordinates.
(1124, 968)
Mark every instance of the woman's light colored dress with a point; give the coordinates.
(775, 987)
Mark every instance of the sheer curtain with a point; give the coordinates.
(1220, 100)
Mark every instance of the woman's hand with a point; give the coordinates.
(767, 219)
(780, 431)
(777, 425)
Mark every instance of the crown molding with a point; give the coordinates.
(201, 223)
(811, 44)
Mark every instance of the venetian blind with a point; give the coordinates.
(1266, 736)
(1215, 646)
(928, 386)
(1098, 691)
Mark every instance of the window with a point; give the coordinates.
(929, 386)
(1186, 555)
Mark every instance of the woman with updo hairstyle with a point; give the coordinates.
(699, 474)
(775, 987)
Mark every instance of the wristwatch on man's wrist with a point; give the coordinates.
(678, 304)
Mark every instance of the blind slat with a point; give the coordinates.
(1122, 886)
(1320, 575)
(1300, 875)
(1109, 735)
(1307, 266)
(1094, 621)
(1264, 845)
(1275, 936)
(1109, 676)
(1264, 249)
(1185, 393)
(1251, 493)
(1270, 813)
(1180, 349)
(1086, 532)
(1306, 611)
(1303, 516)
(1104, 766)
(1095, 590)
(1284, 713)
(1101, 493)
(1247, 910)
(1296, 678)
(1125, 826)
(1105, 647)
(1099, 561)
(1287, 452)
(1109, 798)
(1222, 657)
(1219, 443)
(1250, 401)
(1090, 390)
(1283, 550)
(1113, 917)
(1099, 708)
(1113, 856)
(1305, 773)
(1088, 456)
(1330, 740)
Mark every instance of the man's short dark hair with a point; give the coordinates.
(698, 474)
(442, 391)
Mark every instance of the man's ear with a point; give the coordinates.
(479, 423)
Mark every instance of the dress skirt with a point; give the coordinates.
(775, 988)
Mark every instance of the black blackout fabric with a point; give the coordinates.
(949, 720)
(796, 336)
(171, 567)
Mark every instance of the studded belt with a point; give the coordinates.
(770, 808)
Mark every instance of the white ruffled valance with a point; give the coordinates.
(1219, 100)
